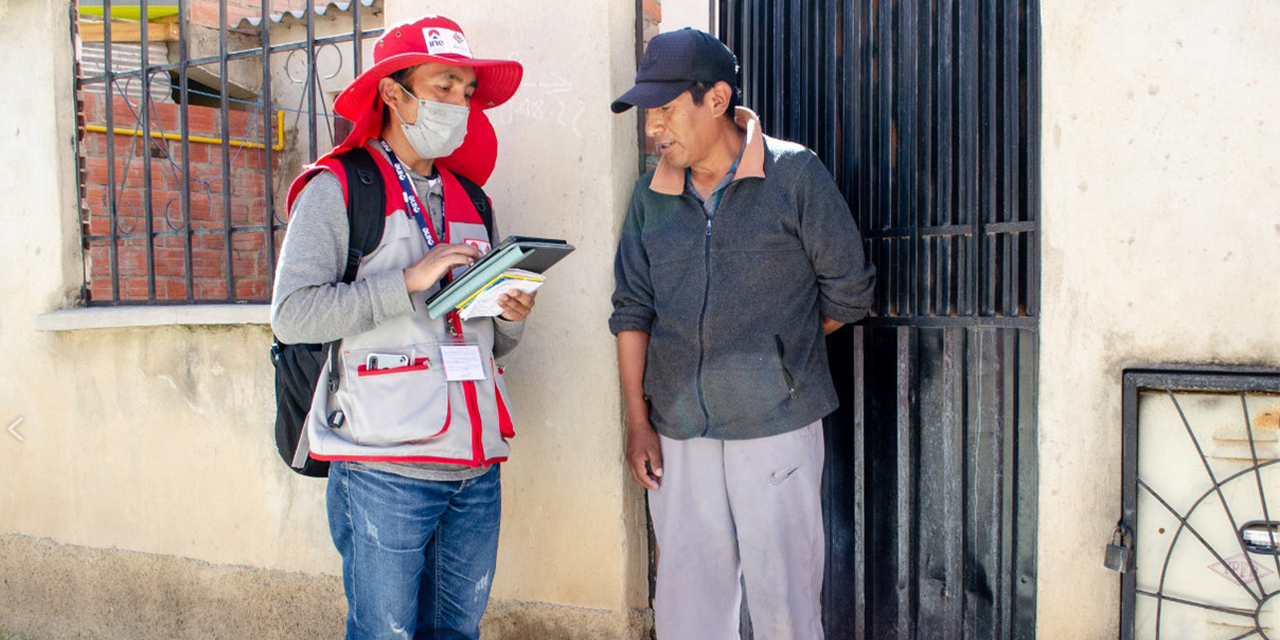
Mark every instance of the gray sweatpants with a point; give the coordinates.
(729, 511)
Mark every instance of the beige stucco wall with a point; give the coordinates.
(574, 528)
(145, 439)
(678, 14)
(147, 451)
(1161, 244)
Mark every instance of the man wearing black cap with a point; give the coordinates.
(737, 255)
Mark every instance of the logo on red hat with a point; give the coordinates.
(446, 42)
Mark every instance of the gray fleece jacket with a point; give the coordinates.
(731, 303)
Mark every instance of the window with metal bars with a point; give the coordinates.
(193, 115)
(1199, 515)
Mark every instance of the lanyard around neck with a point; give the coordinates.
(412, 201)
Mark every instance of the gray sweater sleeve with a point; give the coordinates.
(846, 279)
(309, 304)
(633, 290)
(506, 335)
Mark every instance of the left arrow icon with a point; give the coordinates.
(13, 429)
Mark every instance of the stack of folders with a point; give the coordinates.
(516, 263)
(484, 302)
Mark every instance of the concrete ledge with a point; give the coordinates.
(514, 620)
(153, 316)
(52, 591)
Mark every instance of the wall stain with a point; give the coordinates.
(1268, 419)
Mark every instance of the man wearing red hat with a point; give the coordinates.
(417, 424)
(737, 254)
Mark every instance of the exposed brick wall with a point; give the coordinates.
(652, 10)
(651, 15)
(249, 265)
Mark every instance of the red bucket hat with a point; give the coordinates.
(428, 39)
(432, 39)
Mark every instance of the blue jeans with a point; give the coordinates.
(417, 555)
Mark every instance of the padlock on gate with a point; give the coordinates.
(1119, 555)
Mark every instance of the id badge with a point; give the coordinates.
(462, 362)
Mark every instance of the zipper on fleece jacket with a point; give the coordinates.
(706, 297)
(782, 363)
(702, 321)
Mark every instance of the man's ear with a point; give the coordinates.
(720, 94)
(389, 92)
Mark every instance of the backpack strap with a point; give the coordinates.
(366, 208)
(366, 220)
(481, 202)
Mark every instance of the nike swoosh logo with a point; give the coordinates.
(781, 476)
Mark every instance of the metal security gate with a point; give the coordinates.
(927, 114)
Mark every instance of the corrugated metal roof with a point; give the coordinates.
(299, 16)
(126, 56)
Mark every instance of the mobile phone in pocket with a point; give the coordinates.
(377, 361)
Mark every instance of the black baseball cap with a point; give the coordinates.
(672, 63)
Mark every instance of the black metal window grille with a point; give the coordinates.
(927, 114)
(180, 168)
(1200, 518)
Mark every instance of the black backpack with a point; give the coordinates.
(298, 366)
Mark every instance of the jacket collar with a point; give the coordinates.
(670, 180)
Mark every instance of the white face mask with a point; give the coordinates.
(439, 129)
